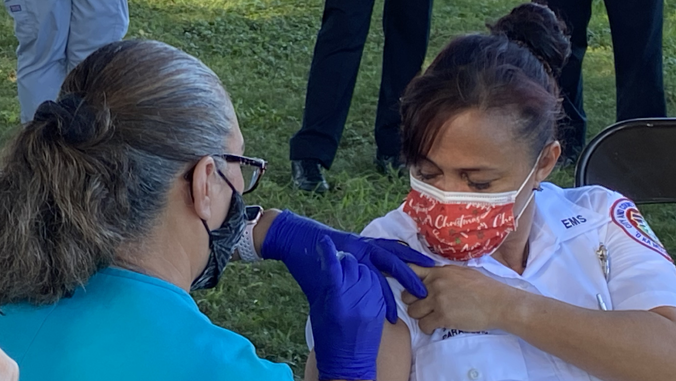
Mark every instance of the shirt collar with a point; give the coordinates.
(560, 217)
(556, 220)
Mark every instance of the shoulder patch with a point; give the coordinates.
(627, 216)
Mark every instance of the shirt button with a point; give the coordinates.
(473, 374)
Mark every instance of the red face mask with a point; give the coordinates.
(462, 225)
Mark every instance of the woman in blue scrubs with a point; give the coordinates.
(123, 196)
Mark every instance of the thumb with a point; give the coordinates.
(421, 272)
(332, 271)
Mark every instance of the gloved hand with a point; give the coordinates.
(293, 240)
(347, 317)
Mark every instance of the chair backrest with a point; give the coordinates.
(635, 157)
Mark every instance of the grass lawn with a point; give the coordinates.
(262, 51)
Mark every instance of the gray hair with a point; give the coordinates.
(92, 171)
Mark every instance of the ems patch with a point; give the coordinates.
(627, 216)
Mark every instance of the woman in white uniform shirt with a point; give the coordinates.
(581, 289)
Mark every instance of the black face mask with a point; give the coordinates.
(222, 241)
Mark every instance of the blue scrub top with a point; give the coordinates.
(127, 326)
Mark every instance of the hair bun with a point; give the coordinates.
(70, 118)
(537, 28)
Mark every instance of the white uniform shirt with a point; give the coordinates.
(568, 228)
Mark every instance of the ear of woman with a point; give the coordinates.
(548, 159)
(207, 188)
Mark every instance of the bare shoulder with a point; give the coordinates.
(394, 355)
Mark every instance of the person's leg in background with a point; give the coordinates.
(41, 26)
(93, 24)
(338, 51)
(407, 26)
(573, 128)
(636, 28)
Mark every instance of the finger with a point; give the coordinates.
(375, 281)
(420, 309)
(331, 268)
(350, 269)
(407, 298)
(392, 265)
(431, 322)
(365, 279)
(422, 272)
(403, 252)
(390, 302)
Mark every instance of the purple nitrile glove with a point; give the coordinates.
(347, 316)
(293, 239)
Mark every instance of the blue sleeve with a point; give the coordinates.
(237, 359)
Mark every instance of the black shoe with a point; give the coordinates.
(388, 164)
(307, 175)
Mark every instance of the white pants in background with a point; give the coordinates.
(56, 35)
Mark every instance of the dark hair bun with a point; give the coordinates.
(537, 28)
(69, 118)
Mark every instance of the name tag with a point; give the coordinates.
(573, 221)
(445, 333)
(15, 8)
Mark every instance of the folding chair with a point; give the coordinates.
(635, 157)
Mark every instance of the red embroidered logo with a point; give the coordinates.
(627, 216)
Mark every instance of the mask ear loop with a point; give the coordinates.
(532, 193)
(530, 198)
(188, 177)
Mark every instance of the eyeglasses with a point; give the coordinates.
(252, 169)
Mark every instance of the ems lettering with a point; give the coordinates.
(573, 221)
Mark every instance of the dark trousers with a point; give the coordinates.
(335, 64)
(636, 28)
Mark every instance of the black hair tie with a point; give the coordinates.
(69, 118)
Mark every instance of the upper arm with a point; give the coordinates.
(394, 355)
(311, 373)
(642, 276)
